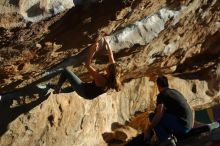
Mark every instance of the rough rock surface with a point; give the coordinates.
(34, 10)
(179, 38)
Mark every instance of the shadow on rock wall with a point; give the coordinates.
(34, 10)
(8, 114)
(79, 27)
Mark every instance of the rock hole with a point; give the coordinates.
(51, 120)
(20, 66)
(60, 108)
(194, 88)
(26, 127)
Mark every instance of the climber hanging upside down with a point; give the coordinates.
(101, 83)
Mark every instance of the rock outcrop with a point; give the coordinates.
(68, 119)
(37, 10)
(22, 11)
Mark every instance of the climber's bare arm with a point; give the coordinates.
(98, 78)
(110, 53)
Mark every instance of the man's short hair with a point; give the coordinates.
(162, 81)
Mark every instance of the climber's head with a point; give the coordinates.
(162, 83)
(114, 74)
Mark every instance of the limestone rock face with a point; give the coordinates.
(177, 38)
(68, 119)
(36, 10)
(23, 11)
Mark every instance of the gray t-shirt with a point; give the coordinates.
(176, 104)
